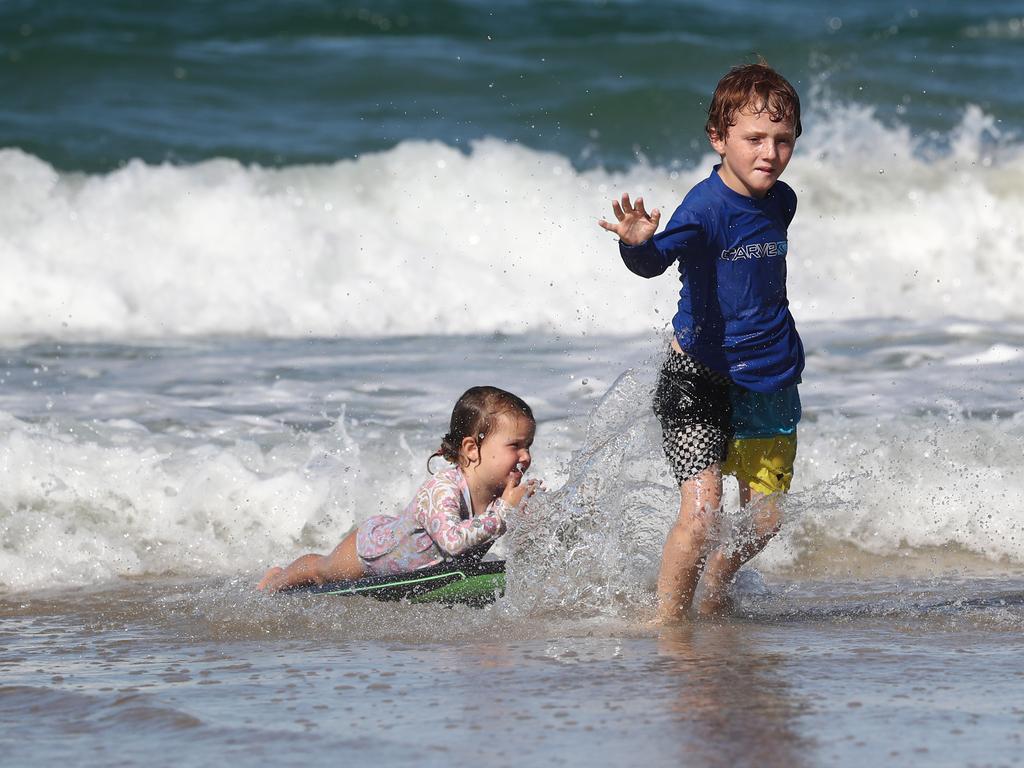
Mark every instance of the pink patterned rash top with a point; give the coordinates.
(437, 525)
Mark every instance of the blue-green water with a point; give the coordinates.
(88, 86)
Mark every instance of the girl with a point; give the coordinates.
(457, 513)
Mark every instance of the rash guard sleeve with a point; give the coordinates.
(652, 257)
(788, 199)
(438, 511)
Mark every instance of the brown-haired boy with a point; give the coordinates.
(727, 393)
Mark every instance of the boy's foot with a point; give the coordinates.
(663, 618)
(718, 603)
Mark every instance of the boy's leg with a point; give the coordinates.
(681, 560)
(764, 469)
(692, 405)
(723, 566)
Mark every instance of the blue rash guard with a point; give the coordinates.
(733, 314)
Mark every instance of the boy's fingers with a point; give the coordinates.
(626, 205)
(640, 207)
(617, 210)
(655, 216)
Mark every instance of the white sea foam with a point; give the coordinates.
(87, 501)
(911, 484)
(206, 458)
(423, 238)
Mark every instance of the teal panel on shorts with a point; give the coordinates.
(764, 414)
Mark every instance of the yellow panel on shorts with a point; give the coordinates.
(764, 463)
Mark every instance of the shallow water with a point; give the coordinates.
(147, 485)
(840, 673)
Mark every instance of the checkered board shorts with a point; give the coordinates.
(692, 403)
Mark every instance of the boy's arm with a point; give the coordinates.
(788, 199)
(645, 259)
(642, 252)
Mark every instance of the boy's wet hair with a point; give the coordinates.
(757, 87)
(474, 415)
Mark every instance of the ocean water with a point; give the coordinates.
(253, 252)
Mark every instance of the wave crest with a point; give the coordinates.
(424, 238)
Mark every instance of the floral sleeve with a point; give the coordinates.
(437, 510)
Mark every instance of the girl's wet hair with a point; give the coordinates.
(474, 415)
(756, 87)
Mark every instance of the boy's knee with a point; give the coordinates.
(693, 531)
(766, 517)
(768, 522)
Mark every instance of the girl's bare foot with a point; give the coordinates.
(268, 578)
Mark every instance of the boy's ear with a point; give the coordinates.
(470, 449)
(717, 142)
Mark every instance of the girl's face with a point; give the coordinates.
(504, 452)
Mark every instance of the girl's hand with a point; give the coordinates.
(633, 224)
(516, 493)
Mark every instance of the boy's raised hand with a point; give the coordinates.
(633, 224)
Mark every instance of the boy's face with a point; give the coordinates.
(755, 152)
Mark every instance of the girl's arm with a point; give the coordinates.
(437, 510)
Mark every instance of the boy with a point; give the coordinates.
(729, 384)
